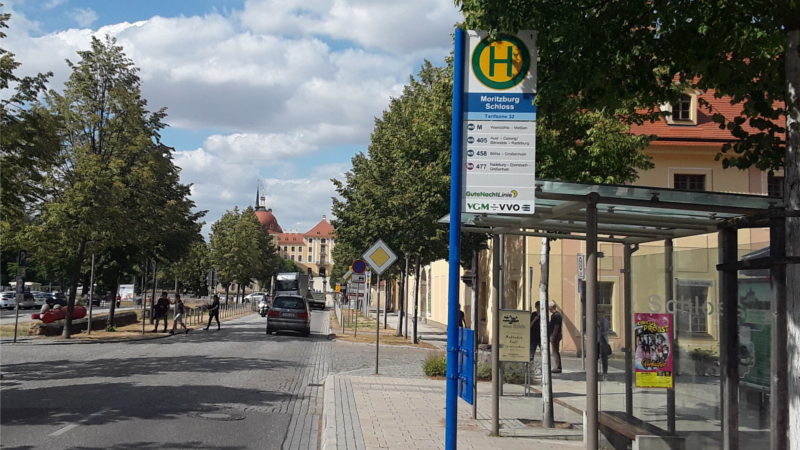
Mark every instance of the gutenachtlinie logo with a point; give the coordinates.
(501, 64)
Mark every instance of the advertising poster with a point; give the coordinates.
(755, 333)
(515, 331)
(653, 334)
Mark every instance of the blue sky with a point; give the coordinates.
(282, 91)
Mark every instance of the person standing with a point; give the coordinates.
(213, 312)
(554, 330)
(603, 347)
(177, 318)
(162, 311)
(536, 323)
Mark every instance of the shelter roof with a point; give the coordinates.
(626, 214)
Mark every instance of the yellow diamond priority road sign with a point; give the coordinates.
(380, 257)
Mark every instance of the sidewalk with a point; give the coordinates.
(379, 412)
(432, 333)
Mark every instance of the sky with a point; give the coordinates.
(278, 92)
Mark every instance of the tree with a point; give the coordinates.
(241, 249)
(113, 188)
(633, 55)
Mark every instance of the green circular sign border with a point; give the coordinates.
(525, 69)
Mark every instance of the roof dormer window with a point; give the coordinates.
(682, 111)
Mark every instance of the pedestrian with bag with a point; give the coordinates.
(179, 311)
(603, 347)
(213, 312)
(536, 324)
(162, 311)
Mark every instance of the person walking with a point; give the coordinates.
(603, 347)
(162, 311)
(554, 331)
(213, 312)
(179, 311)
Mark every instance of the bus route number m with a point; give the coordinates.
(478, 206)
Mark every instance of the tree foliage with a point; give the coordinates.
(112, 189)
(241, 249)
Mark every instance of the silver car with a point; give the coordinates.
(289, 313)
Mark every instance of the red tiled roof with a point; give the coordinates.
(322, 229)
(706, 132)
(289, 238)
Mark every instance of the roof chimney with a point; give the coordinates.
(323, 217)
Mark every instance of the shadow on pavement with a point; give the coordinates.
(70, 403)
(191, 445)
(65, 369)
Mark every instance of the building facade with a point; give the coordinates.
(312, 251)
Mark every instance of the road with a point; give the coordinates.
(227, 390)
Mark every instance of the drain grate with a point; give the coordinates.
(224, 417)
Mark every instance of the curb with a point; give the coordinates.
(328, 440)
(33, 341)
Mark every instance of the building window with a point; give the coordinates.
(292, 257)
(605, 297)
(322, 240)
(682, 110)
(775, 187)
(690, 182)
(285, 257)
(309, 250)
(692, 315)
(292, 248)
(322, 249)
(309, 258)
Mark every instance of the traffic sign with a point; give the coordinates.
(358, 266)
(380, 257)
(359, 278)
(338, 288)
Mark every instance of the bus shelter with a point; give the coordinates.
(634, 215)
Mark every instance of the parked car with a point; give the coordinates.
(290, 313)
(42, 298)
(7, 300)
(254, 297)
(28, 301)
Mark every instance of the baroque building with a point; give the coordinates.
(312, 251)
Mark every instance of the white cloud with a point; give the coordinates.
(276, 81)
(84, 17)
(53, 3)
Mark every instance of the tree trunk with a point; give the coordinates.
(76, 273)
(113, 308)
(416, 302)
(792, 201)
(548, 420)
(227, 287)
(155, 287)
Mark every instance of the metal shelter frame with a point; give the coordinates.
(633, 215)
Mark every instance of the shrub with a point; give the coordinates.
(705, 356)
(484, 371)
(435, 366)
(111, 328)
(513, 372)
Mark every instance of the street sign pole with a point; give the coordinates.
(378, 325)
(451, 405)
(91, 298)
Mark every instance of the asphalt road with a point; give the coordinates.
(231, 389)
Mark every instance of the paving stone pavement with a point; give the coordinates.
(381, 412)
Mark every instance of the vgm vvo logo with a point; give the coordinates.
(501, 64)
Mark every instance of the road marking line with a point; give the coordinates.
(82, 421)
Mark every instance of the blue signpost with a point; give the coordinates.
(466, 363)
(451, 417)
